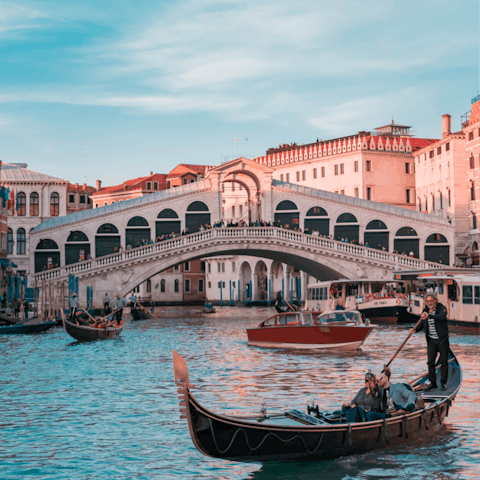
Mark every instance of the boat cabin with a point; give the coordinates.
(313, 318)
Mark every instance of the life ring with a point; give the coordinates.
(398, 301)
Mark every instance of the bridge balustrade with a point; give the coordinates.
(241, 233)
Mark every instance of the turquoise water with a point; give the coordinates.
(108, 410)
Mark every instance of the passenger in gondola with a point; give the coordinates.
(73, 305)
(367, 403)
(397, 398)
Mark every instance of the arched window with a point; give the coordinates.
(376, 225)
(21, 241)
(177, 286)
(198, 214)
(167, 213)
(167, 223)
(77, 236)
(77, 248)
(436, 238)
(21, 205)
(54, 204)
(107, 228)
(107, 240)
(287, 214)
(34, 204)
(149, 286)
(162, 285)
(10, 241)
(286, 205)
(50, 258)
(197, 207)
(437, 249)
(347, 228)
(317, 212)
(376, 235)
(316, 221)
(137, 222)
(410, 245)
(137, 232)
(347, 218)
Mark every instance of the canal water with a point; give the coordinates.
(108, 410)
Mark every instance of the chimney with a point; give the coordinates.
(446, 125)
(84, 187)
(151, 174)
(99, 185)
(76, 186)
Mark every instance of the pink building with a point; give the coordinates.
(376, 166)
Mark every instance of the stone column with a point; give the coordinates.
(254, 287)
(270, 294)
(286, 281)
(303, 285)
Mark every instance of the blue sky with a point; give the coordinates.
(116, 89)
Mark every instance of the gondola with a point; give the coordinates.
(140, 314)
(299, 435)
(84, 333)
(26, 329)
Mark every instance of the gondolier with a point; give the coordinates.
(133, 302)
(106, 304)
(118, 305)
(73, 305)
(434, 322)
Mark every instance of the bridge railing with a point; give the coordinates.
(243, 233)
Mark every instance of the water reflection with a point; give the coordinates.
(115, 401)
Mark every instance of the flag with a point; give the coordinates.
(11, 202)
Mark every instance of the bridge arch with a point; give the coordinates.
(407, 241)
(137, 231)
(47, 255)
(317, 219)
(197, 214)
(376, 235)
(77, 247)
(287, 213)
(437, 249)
(347, 227)
(167, 222)
(107, 240)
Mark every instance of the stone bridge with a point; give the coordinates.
(99, 237)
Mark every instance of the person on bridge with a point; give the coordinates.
(118, 305)
(435, 324)
(73, 303)
(106, 304)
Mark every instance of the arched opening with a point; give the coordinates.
(21, 204)
(347, 228)
(54, 204)
(77, 248)
(262, 281)
(376, 235)
(167, 223)
(34, 204)
(437, 249)
(245, 282)
(317, 219)
(406, 242)
(277, 278)
(137, 232)
(197, 215)
(47, 255)
(107, 240)
(21, 241)
(287, 215)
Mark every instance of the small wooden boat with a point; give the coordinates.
(337, 329)
(84, 333)
(26, 329)
(140, 314)
(208, 308)
(297, 435)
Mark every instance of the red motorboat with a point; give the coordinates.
(339, 329)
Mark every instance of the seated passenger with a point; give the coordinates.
(367, 403)
(397, 398)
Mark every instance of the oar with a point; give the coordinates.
(94, 321)
(291, 308)
(111, 313)
(156, 318)
(401, 346)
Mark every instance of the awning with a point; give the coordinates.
(4, 262)
(14, 265)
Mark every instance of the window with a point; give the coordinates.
(21, 241)
(54, 204)
(355, 166)
(135, 290)
(449, 198)
(342, 192)
(162, 285)
(185, 181)
(472, 161)
(177, 286)
(187, 285)
(34, 204)
(467, 294)
(288, 177)
(202, 266)
(149, 286)
(419, 204)
(223, 268)
(431, 153)
(440, 196)
(209, 284)
(4, 241)
(356, 192)
(407, 168)
(470, 136)
(314, 173)
(447, 146)
(219, 267)
(233, 211)
(472, 191)
(369, 193)
(96, 205)
(83, 198)
(209, 267)
(439, 150)
(176, 268)
(155, 185)
(342, 169)
(477, 295)
(201, 285)
(304, 175)
(298, 176)
(21, 204)
(281, 177)
(233, 266)
(368, 166)
(187, 267)
(71, 198)
(240, 208)
(10, 241)
(336, 169)
(233, 284)
(408, 195)
(323, 171)
(474, 222)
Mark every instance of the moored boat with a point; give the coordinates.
(84, 333)
(21, 328)
(337, 329)
(297, 435)
(208, 308)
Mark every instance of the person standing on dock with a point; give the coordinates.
(434, 322)
(106, 304)
(73, 305)
(118, 305)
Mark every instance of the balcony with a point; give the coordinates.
(475, 99)
(464, 119)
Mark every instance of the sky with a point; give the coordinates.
(115, 89)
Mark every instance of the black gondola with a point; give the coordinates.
(294, 435)
(26, 329)
(84, 333)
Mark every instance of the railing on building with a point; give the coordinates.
(465, 118)
(476, 99)
(241, 234)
